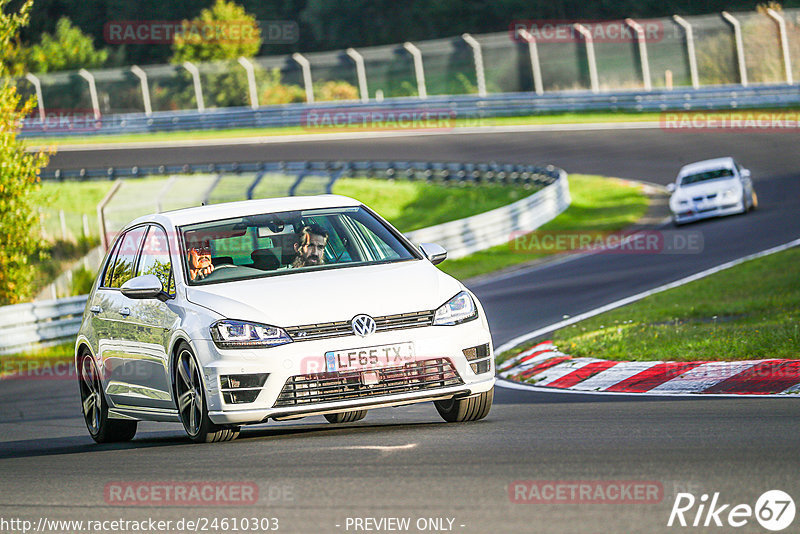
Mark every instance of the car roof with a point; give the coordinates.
(214, 212)
(707, 165)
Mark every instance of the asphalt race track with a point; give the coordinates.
(404, 462)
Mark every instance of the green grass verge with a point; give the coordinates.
(598, 204)
(558, 118)
(750, 311)
(31, 359)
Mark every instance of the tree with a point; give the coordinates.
(225, 31)
(68, 49)
(19, 176)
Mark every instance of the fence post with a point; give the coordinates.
(419, 70)
(536, 68)
(142, 75)
(198, 88)
(86, 75)
(587, 38)
(737, 37)
(37, 85)
(101, 216)
(306, 66)
(689, 49)
(251, 80)
(642, 43)
(361, 73)
(787, 59)
(478, 56)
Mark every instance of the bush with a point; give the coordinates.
(335, 90)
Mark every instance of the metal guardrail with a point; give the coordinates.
(500, 173)
(468, 107)
(42, 323)
(45, 322)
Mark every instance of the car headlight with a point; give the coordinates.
(457, 310)
(228, 334)
(729, 194)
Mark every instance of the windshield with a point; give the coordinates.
(272, 244)
(716, 174)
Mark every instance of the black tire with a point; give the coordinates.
(754, 200)
(95, 407)
(190, 398)
(346, 417)
(467, 409)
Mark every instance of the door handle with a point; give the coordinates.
(125, 311)
(95, 309)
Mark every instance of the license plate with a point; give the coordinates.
(369, 357)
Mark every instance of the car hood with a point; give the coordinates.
(705, 188)
(300, 298)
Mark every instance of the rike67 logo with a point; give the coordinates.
(774, 510)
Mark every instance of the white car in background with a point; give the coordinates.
(711, 188)
(234, 314)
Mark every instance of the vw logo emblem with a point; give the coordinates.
(363, 325)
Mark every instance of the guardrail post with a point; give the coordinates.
(86, 75)
(787, 59)
(361, 73)
(478, 57)
(419, 70)
(587, 38)
(142, 75)
(306, 66)
(37, 86)
(737, 37)
(533, 50)
(643, 59)
(101, 216)
(690, 53)
(251, 80)
(198, 88)
(163, 193)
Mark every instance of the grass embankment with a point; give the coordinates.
(558, 118)
(750, 311)
(598, 204)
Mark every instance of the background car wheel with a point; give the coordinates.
(191, 398)
(346, 417)
(754, 200)
(95, 408)
(466, 409)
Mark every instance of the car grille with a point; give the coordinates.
(329, 387)
(398, 321)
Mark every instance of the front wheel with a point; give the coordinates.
(753, 200)
(467, 409)
(192, 406)
(95, 408)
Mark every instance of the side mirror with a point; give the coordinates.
(435, 253)
(671, 187)
(745, 173)
(146, 286)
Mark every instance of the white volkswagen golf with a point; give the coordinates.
(233, 314)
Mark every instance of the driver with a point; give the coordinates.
(200, 264)
(310, 246)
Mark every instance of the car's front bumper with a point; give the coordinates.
(706, 212)
(302, 359)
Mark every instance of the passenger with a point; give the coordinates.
(200, 264)
(310, 246)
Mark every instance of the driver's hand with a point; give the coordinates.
(205, 271)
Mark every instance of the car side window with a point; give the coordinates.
(155, 258)
(126, 257)
(110, 265)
